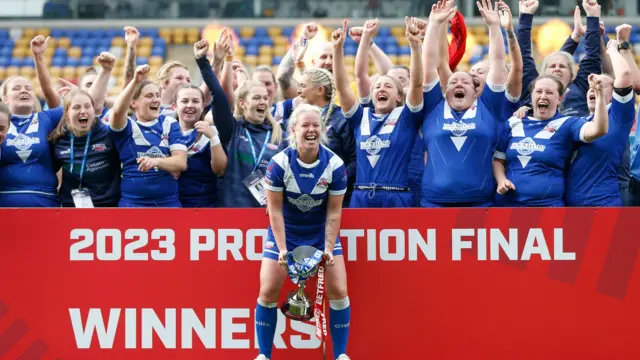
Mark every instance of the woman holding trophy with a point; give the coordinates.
(305, 185)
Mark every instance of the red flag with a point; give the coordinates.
(458, 40)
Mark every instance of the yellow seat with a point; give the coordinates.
(247, 32)
(193, 31)
(27, 71)
(13, 71)
(179, 36)
(118, 41)
(69, 72)
(250, 60)
(74, 52)
(30, 33)
(240, 50)
(349, 60)
(280, 51)
(144, 51)
(154, 69)
(20, 52)
(64, 42)
(52, 43)
(398, 31)
(265, 60)
(23, 42)
(117, 71)
(265, 50)
(145, 41)
(54, 72)
(165, 33)
(44, 31)
(280, 41)
(47, 60)
(192, 38)
(3, 73)
(274, 31)
(155, 61)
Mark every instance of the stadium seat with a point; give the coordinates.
(73, 62)
(64, 42)
(3, 73)
(27, 71)
(240, 50)
(4, 62)
(247, 32)
(280, 51)
(74, 52)
(12, 71)
(141, 60)
(250, 60)
(287, 31)
(274, 31)
(280, 41)
(265, 50)
(16, 62)
(69, 72)
(143, 51)
(20, 52)
(265, 59)
(118, 41)
(165, 34)
(156, 61)
(145, 41)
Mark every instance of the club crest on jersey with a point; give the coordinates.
(23, 144)
(525, 148)
(269, 245)
(99, 147)
(323, 183)
(458, 130)
(372, 146)
(153, 152)
(304, 203)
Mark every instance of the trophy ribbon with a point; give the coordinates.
(318, 306)
(302, 271)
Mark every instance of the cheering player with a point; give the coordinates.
(305, 186)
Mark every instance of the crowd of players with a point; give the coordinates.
(499, 135)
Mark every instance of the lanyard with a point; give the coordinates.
(253, 149)
(84, 156)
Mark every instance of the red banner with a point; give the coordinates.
(440, 284)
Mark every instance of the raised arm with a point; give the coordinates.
(622, 34)
(444, 70)
(623, 76)
(287, 68)
(98, 89)
(414, 96)
(572, 42)
(218, 156)
(591, 63)
(38, 47)
(221, 111)
(600, 124)
(131, 36)
(523, 35)
(346, 96)
(514, 78)
(497, 71)
(361, 71)
(118, 119)
(440, 13)
(223, 52)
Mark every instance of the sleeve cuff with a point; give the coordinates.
(624, 99)
(499, 155)
(351, 111)
(525, 20)
(365, 100)
(430, 86)
(177, 147)
(583, 130)
(496, 88)
(337, 192)
(203, 62)
(512, 99)
(272, 188)
(416, 108)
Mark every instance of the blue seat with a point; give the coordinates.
(86, 61)
(153, 32)
(252, 51)
(87, 34)
(6, 52)
(405, 50)
(252, 42)
(287, 31)
(4, 61)
(102, 48)
(261, 32)
(104, 42)
(157, 51)
(392, 50)
(28, 61)
(79, 41)
(276, 60)
(4, 34)
(159, 42)
(73, 62)
(350, 42)
(350, 50)
(16, 62)
(89, 51)
(56, 33)
(384, 31)
(110, 33)
(59, 61)
(60, 52)
(391, 41)
(141, 60)
(266, 41)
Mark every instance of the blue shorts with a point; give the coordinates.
(28, 200)
(270, 248)
(124, 203)
(426, 204)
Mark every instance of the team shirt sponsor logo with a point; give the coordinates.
(153, 152)
(23, 145)
(99, 147)
(458, 130)
(307, 175)
(304, 203)
(525, 148)
(372, 146)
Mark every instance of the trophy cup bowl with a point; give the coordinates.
(297, 305)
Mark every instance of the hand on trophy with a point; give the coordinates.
(328, 258)
(282, 259)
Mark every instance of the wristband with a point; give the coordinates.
(228, 58)
(215, 140)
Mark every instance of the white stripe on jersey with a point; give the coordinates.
(388, 126)
(136, 134)
(551, 128)
(334, 163)
(469, 114)
(517, 128)
(289, 181)
(198, 145)
(166, 128)
(34, 125)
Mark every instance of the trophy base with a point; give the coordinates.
(296, 308)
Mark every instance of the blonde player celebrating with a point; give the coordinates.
(305, 186)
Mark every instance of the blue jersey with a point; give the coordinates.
(306, 188)
(384, 143)
(634, 168)
(460, 147)
(281, 112)
(102, 173)
(199, 184)
(26, 164)
(155, 139)
(592, 177)
(537, 153)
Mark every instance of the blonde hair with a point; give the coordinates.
(241, 95)
(572, 62)
(165, 70)
(323, 78)
(293, 121)
(37, 107)
(398, 85)
(62, 128)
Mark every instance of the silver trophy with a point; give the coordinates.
(301, 267)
